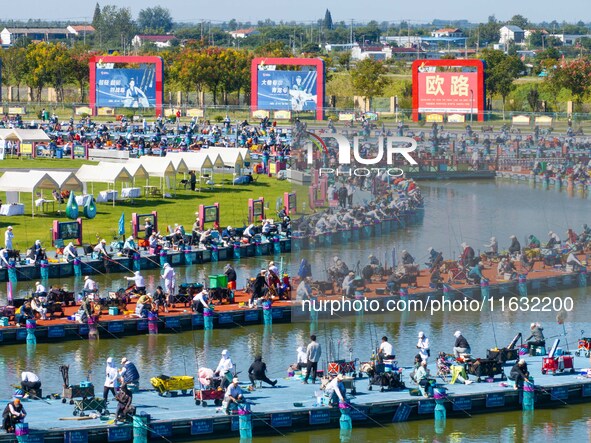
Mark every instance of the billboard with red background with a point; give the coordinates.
(448, 87)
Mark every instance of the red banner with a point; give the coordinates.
(448, 92)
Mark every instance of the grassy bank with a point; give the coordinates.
(177, 210)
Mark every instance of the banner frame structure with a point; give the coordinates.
(133, 59)
(479, 99)
(288, 61)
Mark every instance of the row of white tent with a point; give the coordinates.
(145, 167)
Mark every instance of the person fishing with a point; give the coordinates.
(406, 258)
(515, 247)
(313, 354)
(129, 247)
(336, 392)
(536, 339)
(461, 345)
(129, 373)
(519, 374)
(423, 346)
(492, 247)
(301, 359)
(168, 275)
(385, 350)
(467, 257)
(159, 298)
(475, 274)
(139, 282)
(200, 301)
(90, 286)
(100, 250)
(13, 413)
(70, 252)
(111, 374)
(225, 367)
(30, 382)
(260, 287)
(230, 272)
(533, 242)
(233, 396)
(258, 371)
(348, 285)
(124, 399)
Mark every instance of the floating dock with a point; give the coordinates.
(194, 256)
(182, 318)
(291, 406)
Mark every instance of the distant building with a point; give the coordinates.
(80, 30)
(331, 47)
(511, 33)
(160, 41)
(403, 41)
(569, 39)
(243, 33)
(375, 52)
(9, 36)
(448, 32)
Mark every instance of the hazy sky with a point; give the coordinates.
(307, 10)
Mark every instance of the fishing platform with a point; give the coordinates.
(181, 318)
(292, 406)
(194, 256)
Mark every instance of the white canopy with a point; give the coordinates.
(27, 182)
(28, 135)
(135, 169)
(231, 157)
(4, 133)
(195, 161)
(180, 165)
(66, 180)
(98, 174)
(156, 166)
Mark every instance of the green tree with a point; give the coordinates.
(155, 20)
(116, 28)
(501, 71)
(369, 78)
(370, 32)
(574, 75)
(533, 99)
(96, 17)
(485, 33)
(519, 20)
(14, 67)
(79, 68)
(344, 59)
(327, 23)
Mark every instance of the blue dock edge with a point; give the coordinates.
(178, 418)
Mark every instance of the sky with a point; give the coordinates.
(312, 10)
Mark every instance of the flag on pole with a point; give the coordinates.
(122, 224)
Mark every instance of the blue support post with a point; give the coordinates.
(522, 285)
(31, 326)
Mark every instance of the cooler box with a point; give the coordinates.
(390, 365)
(213, 282)
(222, 281)
(113, 310)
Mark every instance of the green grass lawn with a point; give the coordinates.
(43, 163)
(179, 209)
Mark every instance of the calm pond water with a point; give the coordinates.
(454, 212)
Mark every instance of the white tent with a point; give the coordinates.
(195, 161)
(161, 167)
(28, 136)
(231, 157)
(97, 174)
(135, 169)
(66, 180)
(180, 165)
(27, 182)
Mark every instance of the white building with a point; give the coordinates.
(9, 35)
(569, 39)
(375, 52)
(160, 41)
(243, 33)
(447, 32)
(511, 33)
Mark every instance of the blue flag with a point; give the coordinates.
(122, 224)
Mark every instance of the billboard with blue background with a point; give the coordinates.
(287, 90)
(126, 88)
